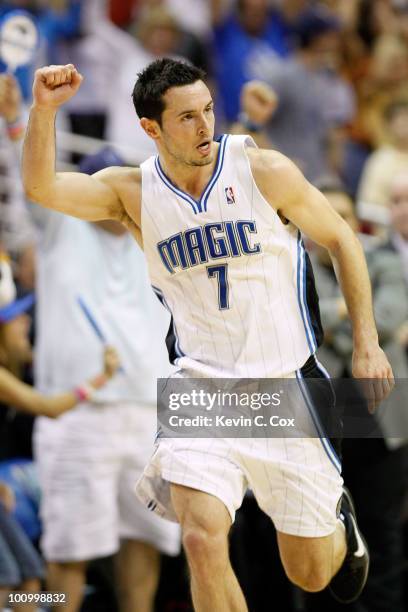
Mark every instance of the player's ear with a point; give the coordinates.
(151, 127)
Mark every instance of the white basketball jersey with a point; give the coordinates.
(235, 278)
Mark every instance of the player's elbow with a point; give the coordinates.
(32, 194)
(343, 241)
(37, 194)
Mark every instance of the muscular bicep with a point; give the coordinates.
(87, 197)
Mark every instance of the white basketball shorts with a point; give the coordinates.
(296, 481)
(89, 461)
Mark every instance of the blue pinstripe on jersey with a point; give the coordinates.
(217, 172)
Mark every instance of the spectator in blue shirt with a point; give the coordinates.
(248, 34)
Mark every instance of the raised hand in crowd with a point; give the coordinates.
(11, 106)
(258, 101)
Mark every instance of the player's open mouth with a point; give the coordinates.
(205, 147)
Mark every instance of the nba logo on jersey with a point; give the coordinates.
(229, 194)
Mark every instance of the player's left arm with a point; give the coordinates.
(295, 199)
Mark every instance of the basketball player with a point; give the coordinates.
(220, 225)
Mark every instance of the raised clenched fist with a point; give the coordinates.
(55, 85)
(258, 101)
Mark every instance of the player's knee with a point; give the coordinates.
(202, 545)
(309, 576)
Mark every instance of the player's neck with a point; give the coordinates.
(190, 179)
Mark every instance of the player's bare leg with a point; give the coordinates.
(340, 560)
(205, 524)
(138, 567)
(68, 578)
(310, 563)
(4, 593)
(3, 596)
(30, 585)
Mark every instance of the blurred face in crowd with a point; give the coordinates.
(162, 40)
(292, 8)
(399, 205)
(253, 15)
(398, 126)
(15, 346)
(187, 125)
(381, 14)
(325, 51)
(389, 61)
(158, 32)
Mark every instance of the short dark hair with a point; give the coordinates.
(153, 82)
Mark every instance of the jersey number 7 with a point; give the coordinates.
(221, 274)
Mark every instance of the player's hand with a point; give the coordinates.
(111, 361)
(7, 497)
(10, 98)
(258, 101)
(55, 85)
(374, 372)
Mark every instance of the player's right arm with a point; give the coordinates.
(88, 197)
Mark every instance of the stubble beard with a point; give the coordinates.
(201, 162)
(181, 160)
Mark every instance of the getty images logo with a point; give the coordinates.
(223, 399)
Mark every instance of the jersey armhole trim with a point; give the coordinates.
(246, 143)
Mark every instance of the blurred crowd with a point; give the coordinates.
(324, 82)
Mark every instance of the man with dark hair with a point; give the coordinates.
(155, 80)
(220, 225)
